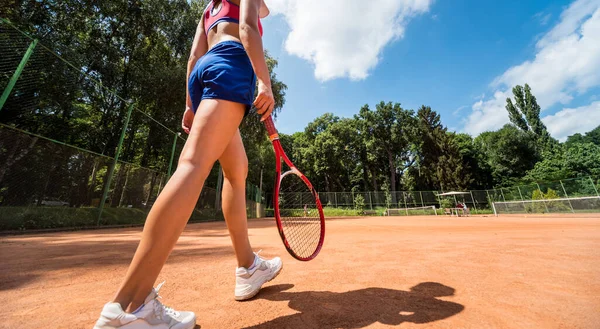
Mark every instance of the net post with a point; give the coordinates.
(111, 171)
(494, 207)
(13, 80)
(543, 199)
(567, 196)
(172, 154)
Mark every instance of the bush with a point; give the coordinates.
(546, 206)
(447, 203)
(40, 218)
(359, 203)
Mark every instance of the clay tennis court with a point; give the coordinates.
(378, 272)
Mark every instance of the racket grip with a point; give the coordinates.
(270, 126)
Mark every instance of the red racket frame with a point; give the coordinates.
(280, 154)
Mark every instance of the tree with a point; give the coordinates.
(123, 53)
(509, 153)
(474, 160)
(574, 160)
(388, 133)
(592, 136)
(526, 114)
(439, 162)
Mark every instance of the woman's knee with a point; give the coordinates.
(237, 174)
(199, 168)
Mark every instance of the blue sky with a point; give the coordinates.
(460, 57)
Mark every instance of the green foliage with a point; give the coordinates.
(509, 153)
(551, 194)
(547, 205)
(592, 136)
(36, 218)
(570, 160)
(526, 114)
(359, 203)
(447, 203)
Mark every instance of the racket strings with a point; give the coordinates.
(300, 218)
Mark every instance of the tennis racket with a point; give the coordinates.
(297, 207)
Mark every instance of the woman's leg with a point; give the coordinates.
(235, 170)
(252, 271)
(215, 123)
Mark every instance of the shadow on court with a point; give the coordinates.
(39, 255)
(361, 308)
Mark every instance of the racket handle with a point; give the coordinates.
(270, 127)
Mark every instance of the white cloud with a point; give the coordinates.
(542, 18)
(344, 39)
(458, 110)
(566, 64)
(570, 121)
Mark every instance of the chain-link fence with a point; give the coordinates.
(73, 153)
(480, 201)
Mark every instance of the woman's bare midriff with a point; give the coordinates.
(224, 31)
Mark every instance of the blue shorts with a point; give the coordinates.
(224, 72)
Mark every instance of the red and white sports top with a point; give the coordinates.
(229, 12)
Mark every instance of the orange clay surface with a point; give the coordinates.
(379, 272)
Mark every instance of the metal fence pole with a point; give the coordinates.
(422, 202)
(219, 184)
(111, 171)
(543, 199)
(566, 195)
(370, 200)
(502, 193)
(522, 200)
(594, 186)
(473, 199)
(17, 74)
(172, 155)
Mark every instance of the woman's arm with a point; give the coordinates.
(199, 48)
(252, 41)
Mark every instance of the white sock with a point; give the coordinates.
(254, 263)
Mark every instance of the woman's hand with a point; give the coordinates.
(188, 119)
(265, 102)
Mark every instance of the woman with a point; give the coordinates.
(226, 60)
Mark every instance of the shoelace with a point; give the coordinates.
(267, 262)
(160, 309)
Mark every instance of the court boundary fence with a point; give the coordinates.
(35, 197)
(479, 201)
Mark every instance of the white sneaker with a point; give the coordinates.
(249, 282)
(152, 315)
